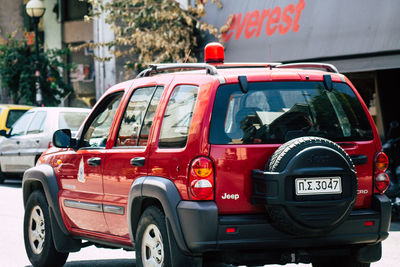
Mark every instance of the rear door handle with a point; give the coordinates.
(138, 161)
(94, 162)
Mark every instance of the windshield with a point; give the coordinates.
(71, 120)
(13, 116)
(276, 112)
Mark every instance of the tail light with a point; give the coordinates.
(201, 179)
(381, 163)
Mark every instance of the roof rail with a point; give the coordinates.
(310, 65)
(156, 68)
(231, 65)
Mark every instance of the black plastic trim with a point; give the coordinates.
(359, 159)
(199, 221)
(162, 190)
(44, 174)
(255, 232)
(63, 243)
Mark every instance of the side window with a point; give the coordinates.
(133, 118)
(37, 124)
(96, 132)
(20, 125)
(178, 117)
(13, 116)
(149, 117)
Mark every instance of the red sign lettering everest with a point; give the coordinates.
(275, 20)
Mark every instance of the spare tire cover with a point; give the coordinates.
(312, 157)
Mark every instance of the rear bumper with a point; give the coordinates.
(204, 230)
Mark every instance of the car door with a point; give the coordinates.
(128, 158)
(28, 149)
(80, 170)
(10, 145)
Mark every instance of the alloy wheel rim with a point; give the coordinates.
(152, 247)
(36, 231)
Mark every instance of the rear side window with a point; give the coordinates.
(13, 116)
(178, 117)
(276, 112)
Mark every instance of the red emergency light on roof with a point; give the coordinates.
(214, 53)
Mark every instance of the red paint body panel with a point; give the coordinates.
(173, 163)
(90, 191)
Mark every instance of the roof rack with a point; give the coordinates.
(310, 65)
(156, 68)
(212, 69)
(231, 65)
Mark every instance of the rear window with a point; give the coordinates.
(71, 120)
(276, 112)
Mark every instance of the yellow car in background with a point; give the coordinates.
(10, 113)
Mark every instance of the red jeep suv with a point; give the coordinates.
(216, 162)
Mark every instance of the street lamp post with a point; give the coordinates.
(35, 9)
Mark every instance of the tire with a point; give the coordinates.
(152, 246)
(38, 237)
(306, 216)
(2, 177)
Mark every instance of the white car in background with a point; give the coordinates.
(32, 134)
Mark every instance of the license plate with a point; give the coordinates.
(318, 186)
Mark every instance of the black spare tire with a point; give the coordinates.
(308, 159)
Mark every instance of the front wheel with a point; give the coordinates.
(38, 238)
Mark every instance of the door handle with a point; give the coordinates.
(94, 162)
(138, 161)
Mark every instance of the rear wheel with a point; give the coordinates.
(38, 237)
(152, 240)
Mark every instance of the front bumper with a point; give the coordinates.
(205, 231)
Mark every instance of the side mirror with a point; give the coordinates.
(3, 133)
(394, 124)
(62, 138)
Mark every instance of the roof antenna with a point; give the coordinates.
(187, 56)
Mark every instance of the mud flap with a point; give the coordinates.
(178, 258)
(62, 242)
(370, 253)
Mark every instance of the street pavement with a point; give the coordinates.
(12, 250)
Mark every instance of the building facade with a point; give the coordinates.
(11, 18)
(61, 26)
(360, 37)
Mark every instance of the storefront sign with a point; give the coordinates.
(267, 21)
(296, 30)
